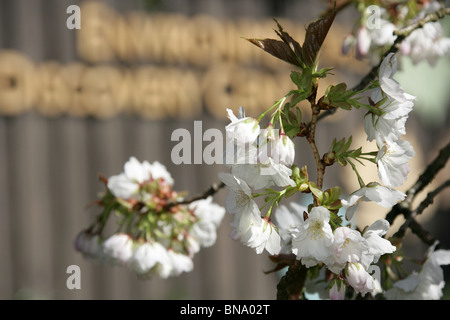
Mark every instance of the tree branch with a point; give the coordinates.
(430, 197)
(401, 34)
(337, 6)
(213, 189)
(424, 179)
(418, 230)
(413, 224)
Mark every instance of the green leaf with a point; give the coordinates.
(342, 104)
(322, 73)
(296, 78)
(339, 88)
(316, 191)
(331, 196)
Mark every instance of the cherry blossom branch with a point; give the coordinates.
(312, 142)
(213, 189)
(401, 34)
(430, 17)
(413, 224)
(336, 6)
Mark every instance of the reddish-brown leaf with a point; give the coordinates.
(277, 48)
(316, 33)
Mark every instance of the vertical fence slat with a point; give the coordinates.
(6, 267)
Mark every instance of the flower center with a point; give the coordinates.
(346, 242)
(388, 152)
(241, 198)
(315, 230)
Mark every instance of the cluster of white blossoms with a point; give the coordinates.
(386, 129)
(427, 43)
(259, 159)
(345, 252)
(156, 235)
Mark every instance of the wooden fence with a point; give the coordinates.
(49, 162)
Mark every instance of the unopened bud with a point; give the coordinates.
(304, 187)
(329, 158)
(303, 130)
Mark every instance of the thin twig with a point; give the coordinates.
(401, 34)
(213, 189)
(424, 235)
(430, 197)
(420, 208)
(336, 6)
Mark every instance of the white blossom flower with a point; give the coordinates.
(379, 128)
(159, 171)
(210, 216)
(384, 35)
(261, 176)
(337, 290)
(395, 109)
(376, 244)
(239, 197)
(312, 240)
(425, 285)
(399, 103)
(262, 235)
(192, 244)
(177, 264)
(276, 146)
(348, 246)
(348, 44)
(127, 184)
(383, 196)
(146, 256)
(363, 40)
(359, 279)
(242, 130)
(89, 245)
(426, 43)
(118, 248)
(393, 162)
(370, 42)
(246, 223)
(284, 151)
(286, 220)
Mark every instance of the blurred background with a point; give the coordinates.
(78, 103)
